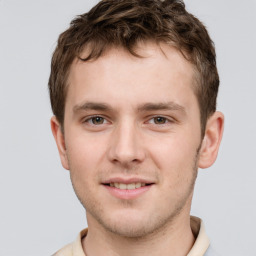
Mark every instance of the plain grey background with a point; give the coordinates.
(39, 212)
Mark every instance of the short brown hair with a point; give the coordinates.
(124, 23)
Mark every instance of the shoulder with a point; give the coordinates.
(65, 251)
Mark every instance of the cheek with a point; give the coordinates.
(84, 159)
(85, 153)
(171, 152)
(175, 158)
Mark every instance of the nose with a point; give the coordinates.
(126, 146)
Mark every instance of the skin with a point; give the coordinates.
(130, 117)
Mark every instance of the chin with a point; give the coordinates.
(129, 228)
(133, 225)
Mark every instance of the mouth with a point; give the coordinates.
(127, 190)
(129, 186)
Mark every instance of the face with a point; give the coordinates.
(132, 137)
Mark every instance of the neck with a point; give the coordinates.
(176, 238)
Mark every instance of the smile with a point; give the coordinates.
(127, 186)
(127, 191)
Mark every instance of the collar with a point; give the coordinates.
(202, 241)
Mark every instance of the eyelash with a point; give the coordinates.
(166, 120)
(89, 119)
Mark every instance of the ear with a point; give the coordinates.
(211, 142)
(60, 141)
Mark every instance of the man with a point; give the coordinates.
(133, 89)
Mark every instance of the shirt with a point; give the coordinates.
(200, 247)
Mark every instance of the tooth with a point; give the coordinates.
(122, 186)
(131, 186)
(137, 185)
(127, 186)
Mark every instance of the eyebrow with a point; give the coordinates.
(161, 106)
(142, 108)
(92, 106)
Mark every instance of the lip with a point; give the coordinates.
(127, 194)
(127, 181)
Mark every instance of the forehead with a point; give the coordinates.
(161, 73)
(143, 53)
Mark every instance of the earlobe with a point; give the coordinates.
(211, 142)
(60, 141)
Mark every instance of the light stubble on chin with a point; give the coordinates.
(117, 227)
